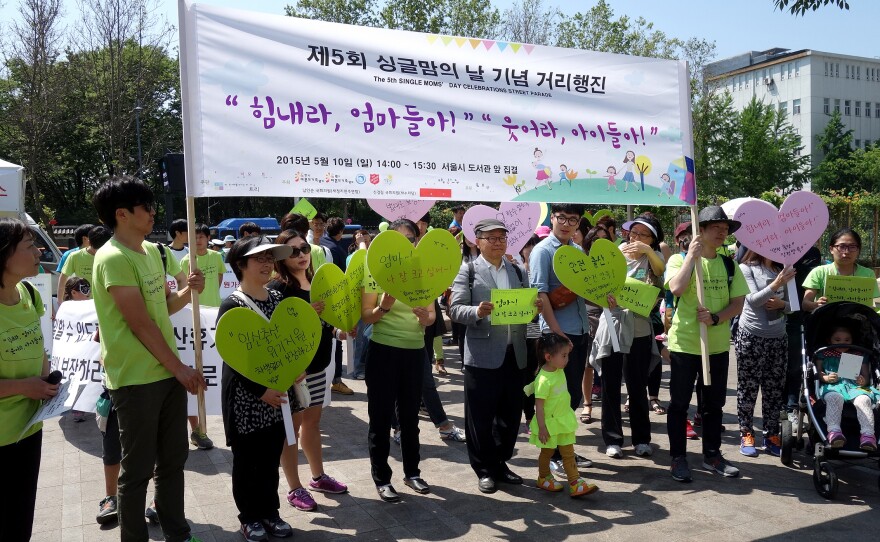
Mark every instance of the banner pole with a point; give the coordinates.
(704, 331)
(196, 314)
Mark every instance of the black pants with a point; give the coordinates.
(338, 372)
(574, 371)
(656, 375)
(255, 459)
(633, 368)
(528, 376)
(795, 357)
(458, 332)
(684, 371)
(430, 396)
(394, 375)
(18, 480)
(492, 405)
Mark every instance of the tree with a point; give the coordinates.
(475, 18)
(528, 21)
(716, 142)
(643, 166)
(833, 172)
(356, 12)
(800, 7)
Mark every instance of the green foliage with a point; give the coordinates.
(800, 7)
(356, 12)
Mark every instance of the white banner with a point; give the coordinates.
(42, 283)
(279, 106)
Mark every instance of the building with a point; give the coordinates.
(809, 85)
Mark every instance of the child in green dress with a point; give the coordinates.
(555, 423)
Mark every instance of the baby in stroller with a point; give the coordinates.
(835, 390)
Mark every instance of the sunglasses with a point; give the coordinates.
(84, 288)
(305, 249)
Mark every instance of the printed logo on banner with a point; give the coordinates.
(360, 179)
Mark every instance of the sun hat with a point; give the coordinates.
(714, 213)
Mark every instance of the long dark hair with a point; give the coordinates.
(592, 235)
(352, 247)
(549, 344)
(284, 274)
(12, 232)
(845, 231)
(466, 249)
(753, 258)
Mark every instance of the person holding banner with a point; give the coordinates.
(494, 355)
(252, 412)
(145, 377)
(761, 347)
(725, 290)
(395, 362)
(23, 370)
(845, 245)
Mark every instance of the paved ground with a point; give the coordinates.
(637, 498)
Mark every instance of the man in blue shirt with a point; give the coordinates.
(457, 216)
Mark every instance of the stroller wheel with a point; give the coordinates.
(787, 443)
(825, 480)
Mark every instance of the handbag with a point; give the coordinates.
(561, 297)
(302, 397)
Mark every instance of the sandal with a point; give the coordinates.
(441, 369)
(549, 484)
(587, 416)
(657, 407)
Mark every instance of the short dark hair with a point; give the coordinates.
(457, 208)
(567, 208)
(335, 226)
(12, 232)
(426, 219)
(607, 221)
(845, 231)
(204, 230)
(533, 240)
(98, 236)
(295, 221)
(178, 225)
(81, 233)
(320, 216)
(122, 192)
(237, 253)
(249, 228)
(404, 223)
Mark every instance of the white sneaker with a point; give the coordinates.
(644, 450)
(613, 450)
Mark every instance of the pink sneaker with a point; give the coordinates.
(868, 443)
(301, 499)
(836, 439)
(326, 484)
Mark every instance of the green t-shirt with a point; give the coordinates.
(127, 361)
(684, 335)
(21, 356)
(816, 279)
(79, 264)
(212, 266)
(319, 258)
(399, 327)
(559, 418)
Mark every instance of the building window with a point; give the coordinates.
(836, 69)
(858, 72)
(868, 109)
(783, 107)
(796, 107)
(826, 69)
(847, 108)
(877, 110)
(797, 68)
(837, 105)
(858, 108)
(789, 70)
(847, 71)
(858, 143)
(826, 106)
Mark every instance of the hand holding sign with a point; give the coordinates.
(415, 276)
(520, 219)
(637, 296)
(393, 209)
(786, 234)
(515, 306)
(305, 208)
(340, 292)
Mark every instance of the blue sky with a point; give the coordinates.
(735, 26)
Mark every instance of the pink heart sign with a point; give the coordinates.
(782, 235)
(521, 218)
(393, 209)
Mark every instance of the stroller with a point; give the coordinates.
(864, 324)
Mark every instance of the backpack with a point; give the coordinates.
(30, 289)
(162, 253)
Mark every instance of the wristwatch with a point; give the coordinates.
(383, 309)
(714, 319)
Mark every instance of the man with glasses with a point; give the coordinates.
(568, 315)
(494, 355)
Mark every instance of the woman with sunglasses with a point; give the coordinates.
(845, 245)
(77, 289)
(294, 279)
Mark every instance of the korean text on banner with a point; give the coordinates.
(637, 296)
(850, 288)
(389, 114)
(516, 306)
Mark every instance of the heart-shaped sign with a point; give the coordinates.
(520, 217)
(272, 353)
(592, 276)
(784, 234)
(393, 209)
(340, 292)
(414, 275)
(594, 218)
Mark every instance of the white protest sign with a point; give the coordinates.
(42, 283)
(55, 406)
(229, 284)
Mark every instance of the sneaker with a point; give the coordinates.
(327, 484)
(836, 439)
(107, 510)
(277, 527)
(254, 532)
(680, 470)
(698, 419)
(301, 499)
(644, 450)
(341, 389)
(689, 430)
(581, 462)
(613, 450)
(557, 468)
(720, 465)
(867, 443)
(773, 445)
(151, 514)
(200, 440)
(396, 437)
(549, 484)
(360, 376)
(455, 434)
(581, 487)
(747, 445)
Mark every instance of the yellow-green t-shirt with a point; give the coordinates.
(816, 279)
(684, 335)
(127, 361)
(398, 327)
(79, 264)
(21, 356)
(319, 258)
(212, 266)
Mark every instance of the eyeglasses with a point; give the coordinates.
(633, 233)
(494, 239)
(846, 248)
(263, 258)
(571, 221)
(84, 288)
(305, 249)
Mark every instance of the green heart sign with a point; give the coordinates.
(592, 276)
(593, 218)
(340, 292)
(270, 353)
(414, 275)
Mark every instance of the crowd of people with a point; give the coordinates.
(541, 373)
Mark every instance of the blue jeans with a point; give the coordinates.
(364, 332)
